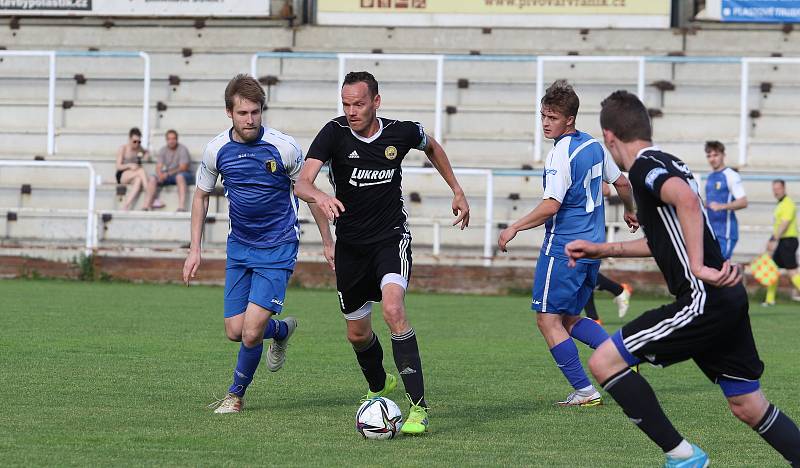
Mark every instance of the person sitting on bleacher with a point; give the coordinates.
(172, 168)
(130, 170)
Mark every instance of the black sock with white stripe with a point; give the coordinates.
(370, 358)
(781, 433)
(638, 401)
(590, 309)
(406, 357)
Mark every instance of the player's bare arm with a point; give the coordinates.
(623, 187)
(325, 232)
(676, 192)
(437, 157)
(544, 211)
(772, 243)
(585, 249)
(737, 204)
(199, 212)
(305, 189)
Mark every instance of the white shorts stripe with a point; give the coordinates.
(687, 313)
(547, 285)
(403, 253)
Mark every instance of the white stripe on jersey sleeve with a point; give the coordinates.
(734, 181)
(558, 176)
(291, 154)
(610, 170)
(208, 173)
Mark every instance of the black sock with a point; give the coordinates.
(781, 433)
(590, 309)
(406, 357)
(638, 401)
(606, 284)
(370, 358)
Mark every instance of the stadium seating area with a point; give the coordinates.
(489, 120)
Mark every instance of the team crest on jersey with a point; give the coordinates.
(391, 153)
(272, 166)
(718, 185)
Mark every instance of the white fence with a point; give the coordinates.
(489, 223)
(51, 100)
(641, 77)
(91, 213)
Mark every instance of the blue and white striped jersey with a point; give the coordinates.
(723, 187)
(573, 175)
(258, 178)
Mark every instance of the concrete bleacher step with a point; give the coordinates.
(743, 42)
(256, 35)
(496, 40)
(49, 197)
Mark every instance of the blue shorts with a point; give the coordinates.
(172, 179)
(559, 289)
(257, 275)
(726, 245)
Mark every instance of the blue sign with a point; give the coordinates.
(761, 11)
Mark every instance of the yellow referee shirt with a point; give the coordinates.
(786, 211)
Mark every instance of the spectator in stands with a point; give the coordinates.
(172, 168)
(783, 243)
(724, 195)
(130, 170)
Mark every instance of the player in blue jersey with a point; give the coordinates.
(258, 166)
(572, 208)
(724, 195)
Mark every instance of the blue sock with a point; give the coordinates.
(589, 332)
(566, 356)
(245, 368)
(276, 329)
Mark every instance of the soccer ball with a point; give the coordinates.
(378, 418)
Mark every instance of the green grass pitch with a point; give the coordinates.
(120, 374)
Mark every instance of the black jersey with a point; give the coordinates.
(366, 175)
(659, 220)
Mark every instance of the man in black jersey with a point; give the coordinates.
(709, 320)
(373, 243)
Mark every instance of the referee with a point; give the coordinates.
(783, 243)
(372, 255)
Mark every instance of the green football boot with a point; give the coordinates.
(388, 387)
(417, 421)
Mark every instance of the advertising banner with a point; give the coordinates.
(168, 8)
(761, 11)
(497, 13)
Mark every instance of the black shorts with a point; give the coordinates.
(714, 332)
(785, 255)
(360, 269)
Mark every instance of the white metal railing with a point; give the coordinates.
(488, 228)
(744, 116)
(343, 58)
(439, 59)
(542, 59)
(51, 86)
(435, 223)
(51, 100)
(91, 214)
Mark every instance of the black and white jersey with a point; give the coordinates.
(659, 220)
(366, 175)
